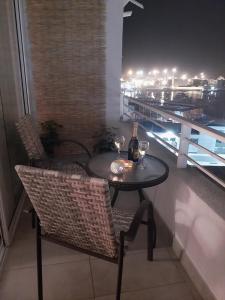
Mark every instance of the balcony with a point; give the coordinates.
(71, 275)
(59, 65)
(188, 207)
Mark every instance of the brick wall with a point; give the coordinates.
(67, 50)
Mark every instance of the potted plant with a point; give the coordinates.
(50, 136)
(105, 141)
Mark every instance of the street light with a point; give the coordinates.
(202, 75)
(174, 70)
(155, 72)
(165, 71)
(130, 72)
(184, 77)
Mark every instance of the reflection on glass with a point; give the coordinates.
(119, 143)
(143, 147)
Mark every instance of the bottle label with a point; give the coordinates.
(135, 155)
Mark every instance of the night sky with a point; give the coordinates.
(187, 34)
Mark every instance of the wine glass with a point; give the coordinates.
(143, 146)
(119, 142)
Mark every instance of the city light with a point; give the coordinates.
(152, 82)
(184, 77)
(138, 82)
(130, 72)
(155, 72)
(140, 73)
(165, 78)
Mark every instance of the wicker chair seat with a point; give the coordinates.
(121, 221)
(65, 166)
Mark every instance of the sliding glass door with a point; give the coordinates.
(12, 106)
(2, 245)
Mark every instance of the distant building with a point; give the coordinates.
(220, 83)
(199, 82)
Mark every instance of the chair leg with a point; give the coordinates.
(39, 259)
(154, 228)
(33, 218)
(120, 266)
(151, 232)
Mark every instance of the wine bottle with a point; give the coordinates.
(133, 153)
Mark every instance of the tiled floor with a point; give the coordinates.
(69, 275)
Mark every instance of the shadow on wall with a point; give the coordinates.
(201, 232)
(193, 208)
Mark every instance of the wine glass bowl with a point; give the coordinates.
(119, 143)
(143, 146)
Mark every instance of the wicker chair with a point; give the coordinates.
(37, 155)
(75, 211)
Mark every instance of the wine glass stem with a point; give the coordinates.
(142, 161)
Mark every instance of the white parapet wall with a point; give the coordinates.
(114, 32)
(193, 207)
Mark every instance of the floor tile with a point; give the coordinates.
(138, 274)
(171, 292)
(22, 254)
(188, 280)
(24, 228)
(67, 281)
(18, 285)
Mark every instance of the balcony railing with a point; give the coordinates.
(192, 143)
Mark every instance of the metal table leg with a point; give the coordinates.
(141, 195)
(152, 224)
(151, 220)
(115, 195)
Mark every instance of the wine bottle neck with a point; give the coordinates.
(134, 133)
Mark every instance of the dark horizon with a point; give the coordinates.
(189, 35)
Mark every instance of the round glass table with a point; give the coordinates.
(135, 178)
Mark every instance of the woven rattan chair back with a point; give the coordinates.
(72, 209)
(30, 138)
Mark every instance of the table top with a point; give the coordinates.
(155, 172)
